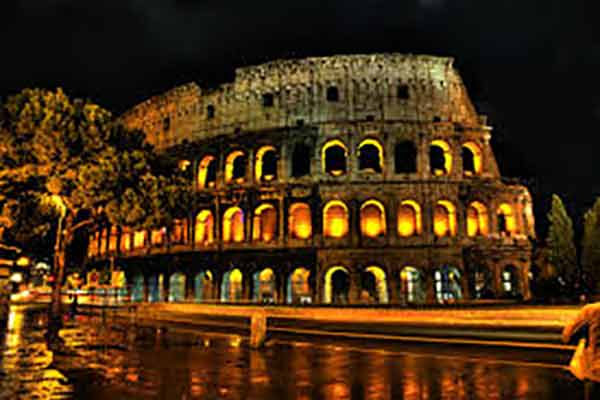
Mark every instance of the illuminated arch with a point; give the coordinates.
(365, 159)
(334, 157)
(444, 219)
(204, 227)
(264, 289)
(335, 219)
(472, 158)
(477, 220)
(264, 223)
(409, 219)
(176, 287)
(447, 284)
(233, 225)
(372, 219)
(139, 239)
(265, 172)
(510, 281)
(381, 286)
(444, 166)
(328, 289)
(300, 221)
(203, 286)
(507, 222)
(207, 170)
(298, 288)
(412, 289)
(231, 287)
(231, 173)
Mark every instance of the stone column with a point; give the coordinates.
(355, 287)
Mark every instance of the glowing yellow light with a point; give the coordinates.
(233, 225)
(511, 222)
(264, 223)
(183, 164)
(447, 157)
(112, 240)
(477, 156)
(258, 169)
(23, 261)
(380, 283)
(409, 218)
(204, 229)
(335, 224)
(327, 146)
(328, 284)
(477, 220)
(444, 219)
(229, 163)
(372, 219)
(139, 239)
(300, 221)
(203, 172)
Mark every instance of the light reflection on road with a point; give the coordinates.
(113, 362)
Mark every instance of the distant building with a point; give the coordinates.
(344, 179)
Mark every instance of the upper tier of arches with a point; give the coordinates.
(289, 93)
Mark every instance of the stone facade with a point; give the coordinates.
(469, 233)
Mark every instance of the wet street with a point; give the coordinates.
(104, 359)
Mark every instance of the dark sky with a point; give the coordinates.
(532, 66)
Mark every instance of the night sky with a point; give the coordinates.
(531, 66)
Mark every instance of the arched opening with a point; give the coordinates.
(139, 239)
(231, 287)
(154, 289)
(235, 167)
(370, 156)
(266, 164)
(412, 286)
(264, 223)
(481, 283)
(510, 282)
(447, 284)
(158, 236)
(300, 221)
(335, 219)
(204, 229)
(444, 219)
(332, 93)
(203, 286)
(409, 219)
(374, 286)
(405, 157)
(507, 223)
(334, 157)
(113, 239)
(125, 240)
(264, 286)
(472, 159)
(177, 287)
(337, 286)
(440, 158)
(372, 219)
(179, 231)
(207, 172)
(233, 225)
(301, 160)
(298, 287)
(137, 288)
(477, 220)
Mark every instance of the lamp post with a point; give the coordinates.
(58, 267)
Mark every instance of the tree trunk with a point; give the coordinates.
(60, 255)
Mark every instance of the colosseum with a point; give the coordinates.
(355, 179)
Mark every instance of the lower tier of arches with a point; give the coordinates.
(330, 277)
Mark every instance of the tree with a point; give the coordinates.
(590, 242)
(74, 158)
(561, 246)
